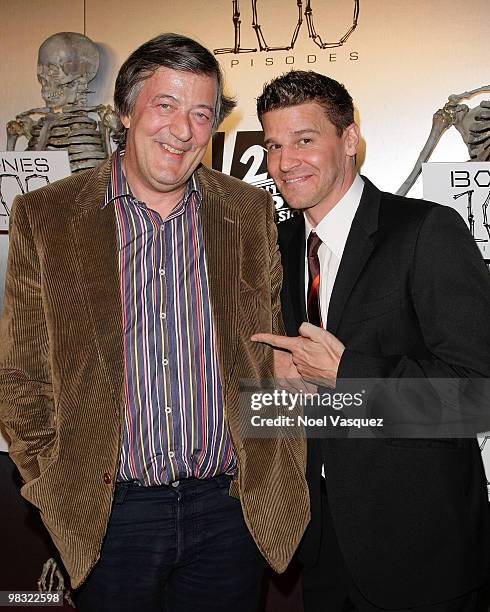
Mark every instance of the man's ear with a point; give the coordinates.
(351, 137)
(126, 121)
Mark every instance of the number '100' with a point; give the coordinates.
(310, 23)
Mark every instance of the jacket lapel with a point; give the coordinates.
(95, 235)
(221, 235)
(358, 248)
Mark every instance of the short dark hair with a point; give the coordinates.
(299, 86)
(171, 51)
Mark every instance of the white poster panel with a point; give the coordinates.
(24, 171)
(465, 186)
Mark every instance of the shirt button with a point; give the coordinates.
(171, 454)
(168, 410)
(165, 362)
(163, 315)
(175, 483)
(161, 272)
(107, 478)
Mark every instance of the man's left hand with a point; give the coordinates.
(316, 353)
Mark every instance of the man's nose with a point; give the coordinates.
(289, 160)
(180, 127)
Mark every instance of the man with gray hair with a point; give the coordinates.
(132, 291)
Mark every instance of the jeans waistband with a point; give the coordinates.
(217, 482)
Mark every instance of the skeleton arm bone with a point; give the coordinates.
(441, 121)
(469, 124)
(14, 131)
(108, 125)
(20, 126)
(455, 99)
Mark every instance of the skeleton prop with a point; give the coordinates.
(473, 125)
(67, 62)
(52, 581)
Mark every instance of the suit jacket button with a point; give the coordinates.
(107, 478)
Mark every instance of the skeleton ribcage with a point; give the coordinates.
(76, 133)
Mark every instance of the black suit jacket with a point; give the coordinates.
(411, 299)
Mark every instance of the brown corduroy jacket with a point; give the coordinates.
(61, 359)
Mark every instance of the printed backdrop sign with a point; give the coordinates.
(25, 171)
(297, 16)
(243, 155)
(466, 188)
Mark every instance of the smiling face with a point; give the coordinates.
(310, 163)
(168, 132)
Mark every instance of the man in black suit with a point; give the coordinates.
(403, 293)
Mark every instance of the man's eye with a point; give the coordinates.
(164, 105)
(305, 141)
(203, 117)
(273, 147)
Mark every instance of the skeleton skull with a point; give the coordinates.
(67, 61)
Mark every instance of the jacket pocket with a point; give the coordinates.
(48, 455)
(375, 308)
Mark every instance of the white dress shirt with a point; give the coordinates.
(333, 230)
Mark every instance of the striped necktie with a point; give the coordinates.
(313, 303)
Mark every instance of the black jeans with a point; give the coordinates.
(178, 548)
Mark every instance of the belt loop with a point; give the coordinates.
(120, 491)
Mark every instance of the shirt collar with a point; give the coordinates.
(118, 187)
(334, 228)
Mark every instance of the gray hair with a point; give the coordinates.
(171, 51)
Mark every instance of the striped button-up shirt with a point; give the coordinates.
(174, 422)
